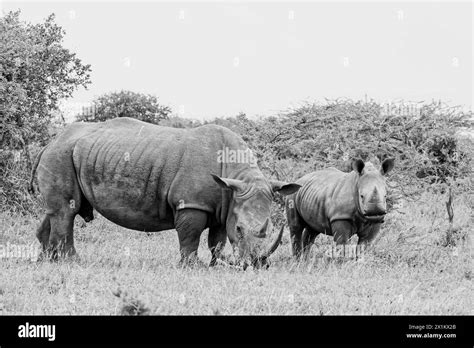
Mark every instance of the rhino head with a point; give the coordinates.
(248, 223)
(371, 188)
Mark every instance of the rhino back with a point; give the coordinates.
(136, 174)
(325, 196)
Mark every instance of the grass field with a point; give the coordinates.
(419, 265)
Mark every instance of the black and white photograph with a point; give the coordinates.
(307, 159)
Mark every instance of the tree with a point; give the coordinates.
(144, 107)
(180, 122)
(36, 72)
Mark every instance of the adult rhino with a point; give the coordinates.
(152, 178)
(338, 204)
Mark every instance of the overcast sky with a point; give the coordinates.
(208, 59)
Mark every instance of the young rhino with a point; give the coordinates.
(338, 204)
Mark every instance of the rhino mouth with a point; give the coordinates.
(374, 216)
(374, 211)
(245, 253)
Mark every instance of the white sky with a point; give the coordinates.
(208, 59)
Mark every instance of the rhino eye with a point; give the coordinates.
(239, 232)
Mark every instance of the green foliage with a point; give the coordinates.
(144, 107)
(36, 72)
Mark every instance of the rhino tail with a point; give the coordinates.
(31, 188)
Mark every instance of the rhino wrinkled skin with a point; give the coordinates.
(338, 204)
(152, 178)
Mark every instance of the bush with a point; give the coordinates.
(424, 141)
(36, 72)
(14, 178)
(144, 107)
(429, 153)
(179, 122)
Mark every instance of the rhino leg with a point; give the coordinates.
(42, 233)
(295, 236)
(309, 235)
(61, 238)
(86, 211)
(216, 241)
(342, 230)
(296, 225)
(56, 237)
(189, 224)
(367, 236)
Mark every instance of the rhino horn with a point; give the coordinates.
(274, 245)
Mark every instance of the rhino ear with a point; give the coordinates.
(284, 188)
(387, 166)
(358, 165)
(236, 185)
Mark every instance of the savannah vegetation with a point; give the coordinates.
(421, 262)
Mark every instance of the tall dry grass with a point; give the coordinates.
(410, 270)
